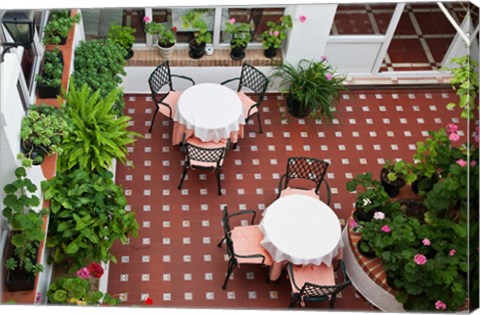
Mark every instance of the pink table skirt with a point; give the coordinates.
(180, 129)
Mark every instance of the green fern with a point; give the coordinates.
(98, 135)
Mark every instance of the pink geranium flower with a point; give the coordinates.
(329, 76)
(324, 58)
(276, 33)
(452, 128)
(439, 305)
(426, 242)
(353, 223)
(231, 21)
(452, 252)
(302, 18)
(453, 137)
(146, 19)
(270, 33)
(378, 215)
(473, 163)
(419, 259)
(386, 229)
(462, 162)
(83, 273)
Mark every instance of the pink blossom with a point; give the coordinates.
(379, 215)
(453, 137)
(276, 33)
(419, 259)
(83, 273)
(386, 229)
(353, 223)
(329, 76)
(452, 128)
(452, 252)
(476, 134)
(270, 33)
(324, 58)
(439, 305)
(231, 21)
(426, 242)
(473, 163)
(302, 18)
(462, 162)
(146, 19)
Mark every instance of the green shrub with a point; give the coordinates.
(58, 26)
(52, 70)
(122, 35)
(100, 64)
(76, 291)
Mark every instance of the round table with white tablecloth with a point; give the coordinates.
(302, 230)
(209, 111)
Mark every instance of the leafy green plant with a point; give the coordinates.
(276, 33)
(165, 36)
(465, 83)
(77, 291)
(122, 35)
(26, 224)
(311, 85)
(98, 136)
(400, 170)
(372, 196)
(193, 19)
(43, 130)
(58, 26)
(240, 32)
(52, 69)
(101, 64)
(87, 216)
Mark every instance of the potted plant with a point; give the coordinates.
(87, 216)
(123, 36)
(49, 80)
(240, 37)
(371, 199)
(275, 34)
(59, 25)
(395, 175)
(311, 87)
(26, 232)
(165, 37)
(42, 132)
(201, 36)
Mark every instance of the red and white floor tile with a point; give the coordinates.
(175, 260)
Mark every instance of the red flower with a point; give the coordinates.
(95, 269)
(174, 28)
(148, 301)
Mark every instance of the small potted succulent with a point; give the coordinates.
(123, 36)
(201, 36)
(275, 34)
(240, 37)
(49, 80)
(165, 37)
(42, 132)
(59, 25)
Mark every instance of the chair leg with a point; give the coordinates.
(221, 242)
(217, 173)
(259, 122)
(231, 267)
(294, 301)
(333, 299)
(185, 170)
(153, 120)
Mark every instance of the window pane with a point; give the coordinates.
(362, 19)
(29, 60)
(39, 17)
(257, 17)
(185, 35)
(97, 22)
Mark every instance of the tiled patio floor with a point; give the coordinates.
(175, 259)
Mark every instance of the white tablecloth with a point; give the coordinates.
(302, 230)
(211, 110)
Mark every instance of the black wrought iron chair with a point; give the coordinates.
(305, 291)
(254, 80)
(204, 156)
(243, 243)
(304, 175)
(166, 102)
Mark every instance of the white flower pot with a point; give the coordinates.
(166, 53)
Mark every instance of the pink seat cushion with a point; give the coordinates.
(171, 100)
(247, 103)
(208, 145)
(320, 275)
(246, 241)
(292, 191)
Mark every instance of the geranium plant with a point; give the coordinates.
(371, 195)
(165, 36)
(276, 33)
(240, 32)
(193, 20)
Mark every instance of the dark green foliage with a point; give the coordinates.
(58, 26)
(52, 70)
